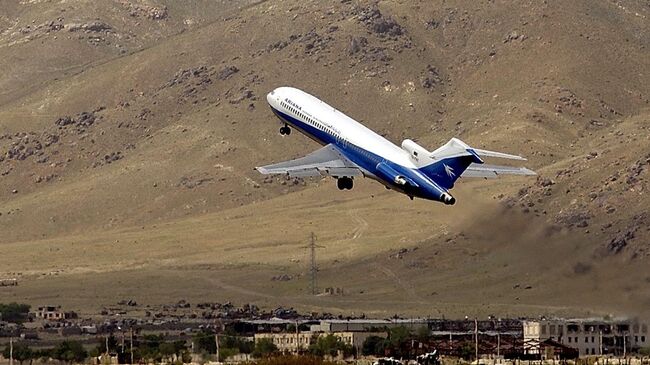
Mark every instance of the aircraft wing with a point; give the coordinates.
(327, 161)
(493, 171)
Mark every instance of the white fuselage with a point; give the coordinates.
(315, 112)
(374, 155)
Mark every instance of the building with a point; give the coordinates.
(289, 342)
(365, 325)
(69, 331)
(588, 336)
(52, 313)
(554, 350)
(9, 282)
(356, 339)
(296, 342)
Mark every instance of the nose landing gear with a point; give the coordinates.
(285, 130)
(344, 183)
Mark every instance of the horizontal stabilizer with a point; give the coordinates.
(455, 159)
(493, 171)
(487, 153)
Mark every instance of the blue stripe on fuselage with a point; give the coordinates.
(428, 189)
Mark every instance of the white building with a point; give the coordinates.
(295, 342)
(53, 313)
(588, 336)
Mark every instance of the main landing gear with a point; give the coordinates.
(285, 130)
(344, 183)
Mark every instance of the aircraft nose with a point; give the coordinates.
(272, 96)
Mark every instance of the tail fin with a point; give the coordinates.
(449, 161)
(446, 164)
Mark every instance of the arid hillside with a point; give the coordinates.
(129, 130)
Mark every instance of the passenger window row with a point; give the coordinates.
(310, 120)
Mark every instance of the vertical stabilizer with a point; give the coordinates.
(449, 161)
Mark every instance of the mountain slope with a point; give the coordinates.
(103, 148)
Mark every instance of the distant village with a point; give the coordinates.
(223, 332)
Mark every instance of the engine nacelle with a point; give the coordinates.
(400, 180)
(414, 150)
(447, 199)
(389, 173)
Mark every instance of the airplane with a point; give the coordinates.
(350, 150)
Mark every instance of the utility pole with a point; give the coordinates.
(476, 339)
(11, 351)
(106, 345)
(131, 344)
(297, 339)
(624, 344)
(498, 344)
(600, 342)
(216, 340)
(451, 344)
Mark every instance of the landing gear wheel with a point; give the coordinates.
(340, 183)
(285, 131)
(344, 183)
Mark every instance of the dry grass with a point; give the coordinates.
(134, 228)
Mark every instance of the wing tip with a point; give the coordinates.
(488, 153)
(528, 172)
(515, 157)
(261, 170)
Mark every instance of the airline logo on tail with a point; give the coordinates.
(450, 171)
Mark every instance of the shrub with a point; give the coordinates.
(264, 347)
(330, 345)
(292, 360)
(14, 312)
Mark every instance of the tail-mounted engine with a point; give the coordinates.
(415, 151)
(389, 173)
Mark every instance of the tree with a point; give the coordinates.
(374, 345)
(234, 342)
(467, 351)
(293, 360)
(228, 344)
(263, 347)
(423, 334)
(167, 350)
(330, 345)
(70, 351)
(43, 354)
(149, 347)
(14, 312)
(154, 348)
(204, 341)
(21, 352)
(113, 346)
(399, 335)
